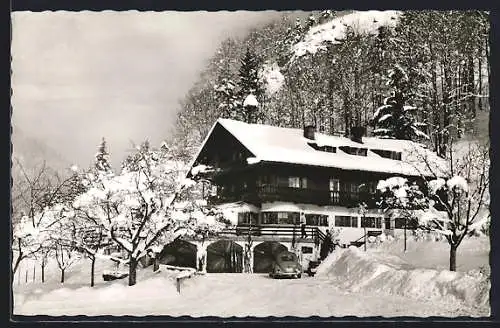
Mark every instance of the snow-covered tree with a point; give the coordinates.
(403, 199)
(396, 118)
(453, 204)
(139, 208)
(463, 195)
(226, 97)
(41, 190)
(62, 236)
(101, 162)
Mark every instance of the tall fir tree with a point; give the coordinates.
(101, 163)
(250, 84)
(395, 119)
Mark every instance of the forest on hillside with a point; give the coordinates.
(338, 70)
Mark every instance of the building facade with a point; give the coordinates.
(286, 188)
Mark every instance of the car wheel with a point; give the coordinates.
(299, 275)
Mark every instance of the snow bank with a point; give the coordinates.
(361, 271)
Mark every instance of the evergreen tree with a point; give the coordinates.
(249, 84)
(225, 92)
(101, 163)
(394, 119)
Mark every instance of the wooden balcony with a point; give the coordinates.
(270, 193)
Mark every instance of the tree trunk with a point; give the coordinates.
(405, 235)
(92, 271)
(43, 272)
(132, 272)
(156, 264)
(16, 265)
(62, 275)
(34, 272)
(453, 258)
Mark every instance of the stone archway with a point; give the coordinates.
(179, 253)
(224, 256)
(264, 255)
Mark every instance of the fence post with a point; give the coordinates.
(178, 282)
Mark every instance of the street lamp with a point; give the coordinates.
(362, 210)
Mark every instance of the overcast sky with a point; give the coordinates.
(80, 76)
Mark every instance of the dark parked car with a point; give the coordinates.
(286, 264)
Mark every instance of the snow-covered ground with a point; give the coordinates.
(382, 282)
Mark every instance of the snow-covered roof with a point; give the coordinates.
(288, 145)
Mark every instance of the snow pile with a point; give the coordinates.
(325, 266)
(358, 271)
(250, 100)
(272, 77)
(363, 22)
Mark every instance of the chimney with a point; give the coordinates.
(357, 133)
(309, 131)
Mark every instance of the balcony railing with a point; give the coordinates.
(269, 193)
(314, 196)
(275, 231)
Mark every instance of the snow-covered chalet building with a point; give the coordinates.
(268, 179)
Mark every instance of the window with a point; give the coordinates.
(387, 223)
(317, 220)
(346, 221)
(306, 250)
(247, 217)
(283, 181)
(288, 218)
(354, 150)
(371, 222)
(396, 155)
(334, 187)
(293, 182)
(269, 218)
(327, 149)
(296, 182)
(289, 257)
(280, 218)
(399, 223)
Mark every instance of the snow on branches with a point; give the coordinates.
(394, 119)
(454, 205)
(145, 206)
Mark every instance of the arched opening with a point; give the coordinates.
(224, 256)
(264, 254)
(179, 253)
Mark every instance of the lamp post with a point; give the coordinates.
(362, 211)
